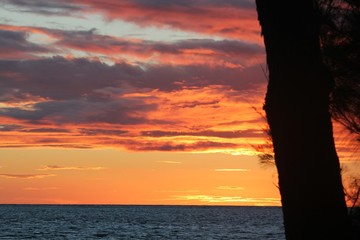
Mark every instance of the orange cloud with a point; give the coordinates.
(187, 95)
(170, 162)
(88, 104)
(26, 176)
(56, 167)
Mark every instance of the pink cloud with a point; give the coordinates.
(227, 18)
(231, 19)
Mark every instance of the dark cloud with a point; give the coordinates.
(10, 127)
(82, 111)
(170, 146)
(19, 128)
(203, 16)
(61, 79)
(239, 122)
(234, 3)
(83, 91)
(14, 43)
(63, 6)
(47, 7)
(211, 16)
(91, 41)
(47, 140)
(169, 78)
(94, 132)
(193, 104)
(193, 3)
(208, 133)
(46, 130)
(68, 79)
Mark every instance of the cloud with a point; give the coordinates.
(40, 188)
(232, 53)
(19, 128)
(10, 127)
(227, 18)
(26, 176)
(231, 19)
(227, 199)
(225, 53)
(208, 133)
(61, 79)
(83, 111)
(46, 130)
(56, 167)
(83, 89)
(170, 78)
(132, 110)
(41, 79)
(170, 162)
(192, 104)
(47, 7)
(180, 147)
(15, 45)
(94, 132)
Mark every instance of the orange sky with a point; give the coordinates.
(115, 177)
(134, 102)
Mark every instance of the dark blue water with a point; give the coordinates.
(139, 222)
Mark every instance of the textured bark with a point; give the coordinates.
(297, 109)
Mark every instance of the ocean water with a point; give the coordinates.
(139, 222)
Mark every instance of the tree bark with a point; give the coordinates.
(297, 109)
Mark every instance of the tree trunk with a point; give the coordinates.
(297, 109)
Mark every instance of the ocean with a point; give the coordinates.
(54, 222)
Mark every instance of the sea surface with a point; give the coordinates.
(139, 222)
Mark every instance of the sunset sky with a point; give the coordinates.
(134, 102)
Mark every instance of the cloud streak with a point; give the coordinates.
(26, 176)
(59, 168)
(216, 199)
(209, 133)
(170, 162)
